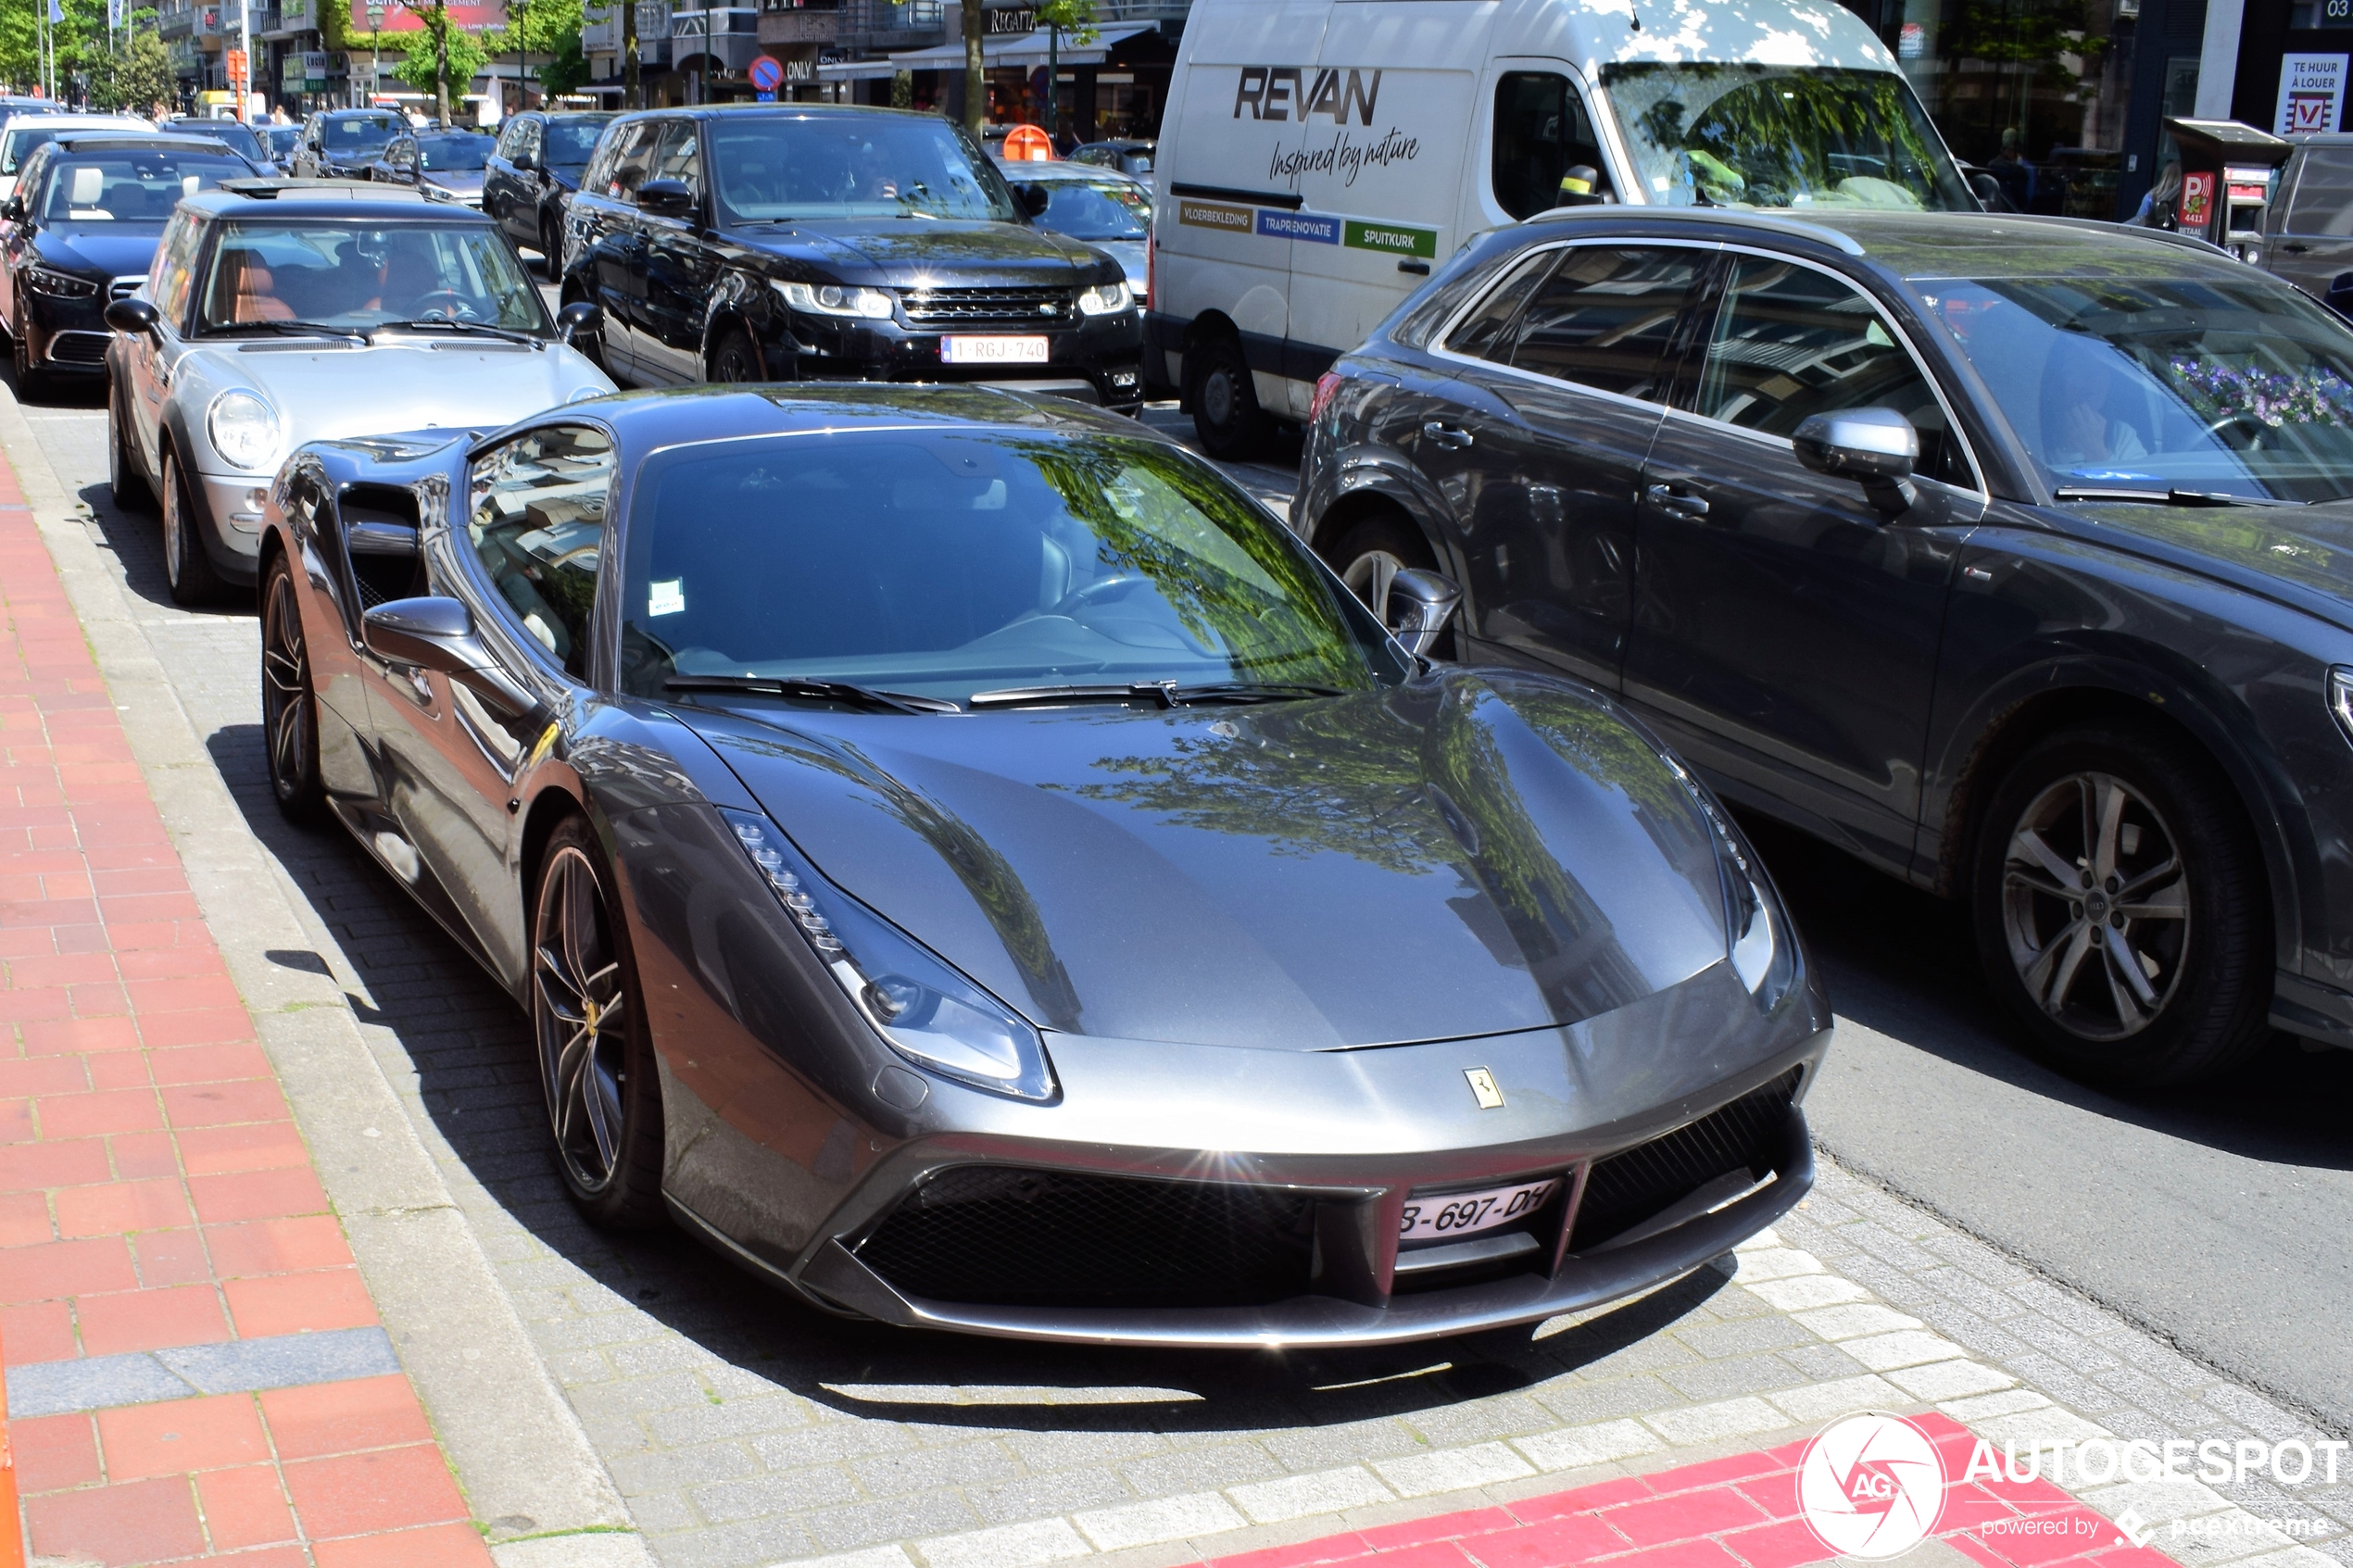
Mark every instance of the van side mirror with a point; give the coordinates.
(1420, 603)
(1876, 446)
(131, 315)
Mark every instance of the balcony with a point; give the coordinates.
(782, 24)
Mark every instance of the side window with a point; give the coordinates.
(1488, 326)
(1606, 318)
(174, 273)
(1791, 342)
(529, 138)
(676, 157)
(2323, 201)
(1541, 132)
(626, 160)
(537, 519)
(510, 139)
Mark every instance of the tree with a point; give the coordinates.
(976, 74)
(439, 52)
(139, 79)
(551, 27)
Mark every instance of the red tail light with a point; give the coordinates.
(1327, 385)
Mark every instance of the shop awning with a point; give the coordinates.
(1019, 51)
(857, 71)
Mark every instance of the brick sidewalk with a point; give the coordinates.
(1735, 1513)
(194, 1361)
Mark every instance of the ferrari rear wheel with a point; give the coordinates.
(289, 704)
(596, 1058)
(186, 568)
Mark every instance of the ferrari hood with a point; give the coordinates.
(1467, 855)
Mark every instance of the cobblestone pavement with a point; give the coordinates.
(743, 1429)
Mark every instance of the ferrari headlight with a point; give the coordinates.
(58, 285)
(837, 299)
(1105, 299)
(244, 429)
(925, 1010)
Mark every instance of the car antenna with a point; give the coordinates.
(1633, 15)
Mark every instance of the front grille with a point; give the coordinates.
(989, 307)
(79, 348)
(987, 1235)
(1628, 1187)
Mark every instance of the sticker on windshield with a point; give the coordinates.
(666, 598)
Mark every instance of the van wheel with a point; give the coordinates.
(2120, 909)
(1226, 411)
(1372, 553)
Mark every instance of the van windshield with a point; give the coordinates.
(1709, 135)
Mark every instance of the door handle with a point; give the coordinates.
(2295, 249)
(1451, 438)
(1668, 498)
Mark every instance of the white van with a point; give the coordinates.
(1319, 158)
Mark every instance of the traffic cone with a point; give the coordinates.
(11, 1521)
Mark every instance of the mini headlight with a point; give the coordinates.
(244, 429)
(837, 299)
(58, 285)
(925, 1010)
(1105, 299)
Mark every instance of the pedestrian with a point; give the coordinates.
(2012, 173)
(2161, 209)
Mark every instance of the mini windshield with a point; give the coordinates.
(944, 564)
(360, 133)
(2233, 386)
(1096, 209)
(20, 141)
(1753, 135)
(773, 168)
(229, 131)
(569, 141)
(454, 153)
(358, 279)
(125, 187)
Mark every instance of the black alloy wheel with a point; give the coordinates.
(30, 381)
(595, 1060)
(289, 703)
(737, 358)
(2120, 909)
(1369, 556)
(1226, 411)
(125, 484)
(186, 568)
(551, 247)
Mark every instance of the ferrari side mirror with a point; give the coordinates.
(438, 634)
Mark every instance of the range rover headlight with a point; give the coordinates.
(837, 299)
(922, 1007)
(1105, 299)
(244, 429)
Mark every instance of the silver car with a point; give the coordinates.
(1102, 207)
(289, 312)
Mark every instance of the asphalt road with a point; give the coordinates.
(2217, 1217)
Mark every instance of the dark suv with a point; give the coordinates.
(2012, 556)
(533, 174)
(814, 242)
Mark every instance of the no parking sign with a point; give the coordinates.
(766, 73)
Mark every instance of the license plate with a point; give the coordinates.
(1444, 1215)
(992, 350)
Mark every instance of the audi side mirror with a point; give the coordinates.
(131, 315)
(1034, 198)
(578, 319)
(1876, 448)
(666, 199)
(1420, 603)
(438, 634)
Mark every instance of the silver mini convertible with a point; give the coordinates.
(283, 311)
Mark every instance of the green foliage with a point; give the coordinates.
(138, 78)
(548, 28)
(422, 53)
(1075, 18)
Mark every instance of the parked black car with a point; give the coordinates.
(341, 143)
(533, 172)
(2012, 556)
(817, 243)
(84, 225)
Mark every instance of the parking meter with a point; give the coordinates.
(2229, 171)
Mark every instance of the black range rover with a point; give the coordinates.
(810, 243)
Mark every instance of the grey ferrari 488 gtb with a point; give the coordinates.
(963, 858)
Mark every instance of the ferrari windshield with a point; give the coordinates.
(852, 166)
(942, 564)
(1706, 135)
(2223, 385)
(355, 279)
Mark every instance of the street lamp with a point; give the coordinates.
(375, 48)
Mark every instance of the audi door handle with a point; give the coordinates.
(1452, 438)
(1668, 498)
(2295, 249)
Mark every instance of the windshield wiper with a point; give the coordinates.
(822, 691)
(1168, 694)
(2167, 497)
(297, 329)
(507, 332)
